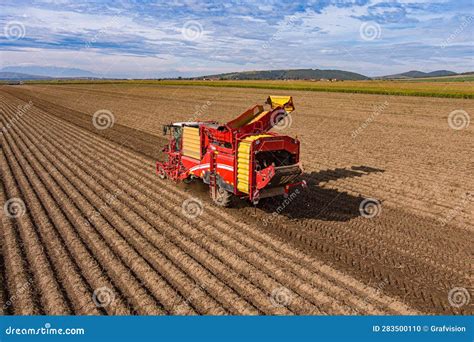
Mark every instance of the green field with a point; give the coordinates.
(431, 88)
(457, 78)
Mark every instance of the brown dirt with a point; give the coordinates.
(98, 217)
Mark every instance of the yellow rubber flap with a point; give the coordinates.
(191, 142)
(243, 161)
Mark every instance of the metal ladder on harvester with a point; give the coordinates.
(213, 175)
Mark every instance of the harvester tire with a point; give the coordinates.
(161, 173)
(223, 197)
(188, 180)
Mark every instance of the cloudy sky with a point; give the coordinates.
(169, 38)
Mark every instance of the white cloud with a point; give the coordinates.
(140, 44)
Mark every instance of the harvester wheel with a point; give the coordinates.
(188, 180)
(223, 197)
(162, 173)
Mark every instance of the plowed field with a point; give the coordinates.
(88, 228)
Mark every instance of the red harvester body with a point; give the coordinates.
(240, 158)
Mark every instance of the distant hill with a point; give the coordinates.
(290, 74)
(48, 71)
(17, 76)
(419, 74)
(32, 72)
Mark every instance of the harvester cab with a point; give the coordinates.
(176, 132)
(240, 158)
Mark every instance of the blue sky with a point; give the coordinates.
(169, 38)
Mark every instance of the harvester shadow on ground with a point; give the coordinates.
(313, 202)
(317, 202)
